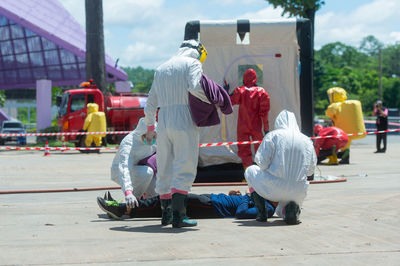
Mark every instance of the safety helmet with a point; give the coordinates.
(199, 48)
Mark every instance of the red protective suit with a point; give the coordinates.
(253, 114)
(327, 143)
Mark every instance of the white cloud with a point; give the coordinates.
(378, 18)
(139, 51)
(267, 13)
(76, 9)
(395, 35)
(130, 11)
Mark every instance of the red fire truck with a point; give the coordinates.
(123, 111)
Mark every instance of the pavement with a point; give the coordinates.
(347, 223)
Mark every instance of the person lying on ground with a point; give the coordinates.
(198, 206)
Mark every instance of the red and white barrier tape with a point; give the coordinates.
(63, 133)
(58, 148)
(201, 145)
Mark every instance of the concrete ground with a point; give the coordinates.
(348, 223)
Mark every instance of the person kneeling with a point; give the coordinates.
(284, 160)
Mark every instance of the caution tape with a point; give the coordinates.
(356, 134)
(63, 133)
(201, 145)
(58, 148)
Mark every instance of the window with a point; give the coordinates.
(77, 102)
(90, 98)
(64, 104)
(4, 33)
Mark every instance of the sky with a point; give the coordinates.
(147, 32)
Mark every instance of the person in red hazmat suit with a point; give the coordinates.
(95, 122)
(252, 122)
(346, 115)
(328, 147)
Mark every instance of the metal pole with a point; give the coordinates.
(95, 55)
(380, 75)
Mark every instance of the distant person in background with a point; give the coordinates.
(94, 122)
(381, 124)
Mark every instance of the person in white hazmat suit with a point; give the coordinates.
(177, 134)
(283, 161)
(126, 169)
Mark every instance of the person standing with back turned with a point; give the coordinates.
(252, 123)
(177, 135)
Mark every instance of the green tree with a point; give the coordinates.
(357, 71)
(141, 78)
(302, 8)
(371, 45)
(391, 61)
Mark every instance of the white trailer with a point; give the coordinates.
(281, 53)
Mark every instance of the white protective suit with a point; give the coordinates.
(177, 134)
(125, 170)
(284, 160)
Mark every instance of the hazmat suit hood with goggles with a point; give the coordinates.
(194, 49)
(125, 170)
(284, 160)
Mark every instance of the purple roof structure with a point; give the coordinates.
(41, 40)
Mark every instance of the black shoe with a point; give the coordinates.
(166, 211)
(112, 208)
(259, 202)
(109, 197)
(292, 213)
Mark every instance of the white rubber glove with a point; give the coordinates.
(131, 200)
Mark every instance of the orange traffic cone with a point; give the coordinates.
(46, 149)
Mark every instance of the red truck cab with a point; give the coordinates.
(122, 111)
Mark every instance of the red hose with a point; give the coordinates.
(111, 188)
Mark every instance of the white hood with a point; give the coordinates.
(286, 120)
(189, 52)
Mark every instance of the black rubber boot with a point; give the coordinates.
(292, 213)
(180, 219)
(260, 204)
(166, 211)
(345, 157)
